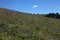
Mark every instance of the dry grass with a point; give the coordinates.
(22, 26)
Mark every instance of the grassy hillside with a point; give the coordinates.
(16, 25)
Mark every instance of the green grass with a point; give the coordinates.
(16, 25)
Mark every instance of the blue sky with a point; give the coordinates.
(32, 6)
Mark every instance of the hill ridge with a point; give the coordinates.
(24, 26)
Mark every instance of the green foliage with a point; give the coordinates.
(53, 15)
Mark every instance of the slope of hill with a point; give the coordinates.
(16, 25)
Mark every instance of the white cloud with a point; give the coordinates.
(34, 6)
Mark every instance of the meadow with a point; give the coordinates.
(16, 25)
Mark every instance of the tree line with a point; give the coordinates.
(53, 15)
